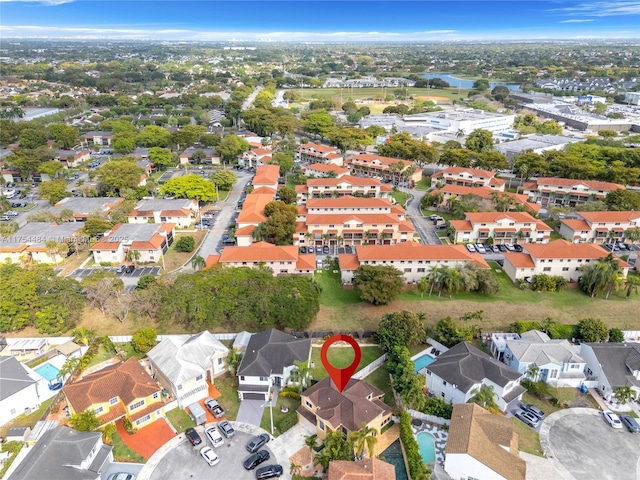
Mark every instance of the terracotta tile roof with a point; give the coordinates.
(489, 439)
(386, 188)
(302, 210)
(253, 207)
(349, 201)
(348, 261)
(565, 249)
(367, 469)
(259, 252)
(266, 175)
(301, 227)
(344, 180)
(301, 189)
(306, 262)
(211, 261)
(326, 168)
(568, 182)
(316, 146)
(406, 226)
(245, 231)
(576, 224)
(367, 158)
(519, 260)
(260, 151)
(461, 225)
(341, 218)
(476, 172)
(416, 251)
(611, 217)
(333, 156)
(127, 380)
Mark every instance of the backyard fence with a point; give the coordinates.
(373, 366)
(437, 345)
(428, 418)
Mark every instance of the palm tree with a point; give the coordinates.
(234, 358)
(632, 234)
(69, 367)
(603, 276)
(632, 284)
(133, 256)
(303, 371)
(532, 371)
(364, 437)
(310, 442)
(434, 277)
(83, 335)
(295, 468)
(460, 133)
(452, 281)
(485, 397)
(624, 394)
(197, 262)
(423, 286)
(53, 248)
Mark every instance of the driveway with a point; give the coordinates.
(251, 412)
(584, 447)
(424, 227)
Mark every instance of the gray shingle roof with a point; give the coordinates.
(271, 351)
(536, 347)
(58, 454)
(14, 377)
(618, 361)
(465, 366)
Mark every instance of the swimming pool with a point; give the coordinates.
(48, 372)
(423, 361)
(426, 445)
(393, 455)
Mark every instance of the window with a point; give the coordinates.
(198, 378)
(444, 383)
(113, 401)
(98, 410)
(308, 404)
(574, 366)
(421, 270)
(220, 361)
(321, 425)
(155, 395)
(565, 269)
(407, 270)
(136, 405)
(264, 379)
(144, 419)
(546, 269)
(442, 394)
(179, 387)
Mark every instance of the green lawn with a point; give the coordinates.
(281, 421)
(122, 453)
(424, 184)
(445, 215)
(380, 379)
(555, 236)
(100, 357)
(341, 357)
(180, 419)
(528, 438)
(332, 293)
(228, 387)
(372, 92)
(129, 351)
(400, 197)
(222, 195)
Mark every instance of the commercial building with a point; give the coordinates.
(535, 143)
(463, 119)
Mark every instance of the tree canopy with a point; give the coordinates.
(378, 284)
(400, 328)
(190, 186)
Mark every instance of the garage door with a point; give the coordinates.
(253, 396)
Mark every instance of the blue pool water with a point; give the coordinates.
(427, 447)
(48, 372)
(393, 455)
(423, 361)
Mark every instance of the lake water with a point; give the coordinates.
(459, 82)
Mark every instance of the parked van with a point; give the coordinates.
(197, 413)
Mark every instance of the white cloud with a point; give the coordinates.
(577, 20)
(602, 9)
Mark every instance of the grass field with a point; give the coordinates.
(401, 197)
(226, 385)
(332, 293)
(341, 357)
(528, 438)
(26, 420)
(424, 184)
(445, 215)
(444, 94)
(180, 419)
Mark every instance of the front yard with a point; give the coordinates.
(228, 388)
(174, 259)
(180, 419)
(528, 438)
(282, 421)
(122, 453)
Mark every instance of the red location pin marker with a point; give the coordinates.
(340, 376)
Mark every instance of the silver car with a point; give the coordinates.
(527, 417)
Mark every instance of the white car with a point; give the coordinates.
(209, 455)
(214, 436)
(471, 247)
(612, 419)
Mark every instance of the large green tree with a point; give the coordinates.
(224, 179)
(378, 284)
(65, 135)
(53, 190)
(230, 146)
(161, 157)
(480, 141)
(400, 328)
(118, 175)
(190, 186)
(153, 136)
(593, 330)
(622, 200)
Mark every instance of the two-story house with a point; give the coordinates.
(21, 389)
(613, 365)
(268, 361)
(333, 411)
(266, 176)
(30, 243)
(100, 138)
(181, 212)
(282, 260)
(209, 156)
(255, 157)
(73, 158)
(339, 187)
(467, 177)
(317, 153)
(318, 170)
(64, 453)
(557, 258)
(83, 207)
(388, 168)
(184, 364)
(501, 228)
(150, 240)
(252, 213)
(558, 362)
(115, 392)
(566, 192)
(413, 259)
(600, 227)
(457, 374)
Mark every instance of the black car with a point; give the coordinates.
(256, 459)
(257, 442)
(629, 422)
(303, 249)
(270, 471)
(502, 248)
(325, 250)
(193, 436)
(518, 247)
(130, 268)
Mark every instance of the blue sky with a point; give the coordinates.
(330, 20)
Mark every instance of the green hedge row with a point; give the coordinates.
(417, 468)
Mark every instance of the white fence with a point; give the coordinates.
(437, 345)
(53, 341)
(372, 367)
(428, 418)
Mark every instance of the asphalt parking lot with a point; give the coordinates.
(580, 442)
(185, 463)
(138, 272)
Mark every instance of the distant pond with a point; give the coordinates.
(459, 82)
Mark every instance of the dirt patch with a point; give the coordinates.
(433, 98)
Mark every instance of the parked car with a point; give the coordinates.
(510, 247)
(441, 227)
(193, 436)
(495, 249)
(480, 248)
(120, 268)
(527, 417)
(303, 250)
(527, 407)
(517, 247)
(257, 442)
(471, 247)
(209, 456)
(214, 436)
(318, 249)
(130, 268)
(226, 429)
(214, 407)
(502, 248)
(256, 459)
(612, 419)
(11, 213)
(630, 422)
(121, 476)
(270, 471)
(325, 250)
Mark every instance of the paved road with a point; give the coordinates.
(424, 227)
(249, 101)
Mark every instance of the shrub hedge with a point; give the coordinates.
(417, 468)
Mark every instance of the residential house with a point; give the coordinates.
(268, 362)
(83, 207)
(102, 139)
(482, 446)
(210, 156)
(366, 469)
(566, 192)
(413, 259)
(183, 364)
(613, 365)
(21, 389)
(181, 212)
(255, 157)
(318, 170)
(333, 411)
(560, 257)
(151, 240)
(123, 390)
(557, 361)
(487, 196)
(370, 165)
(252, 213)
(266, 176)
(282, 260)
(467, 177)
(30, 243)
(457, 374)
(317, 153)
(600, 227)
(500, 227)
(339, 187)
(351, 221)
(64, 453)
(73, 158)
